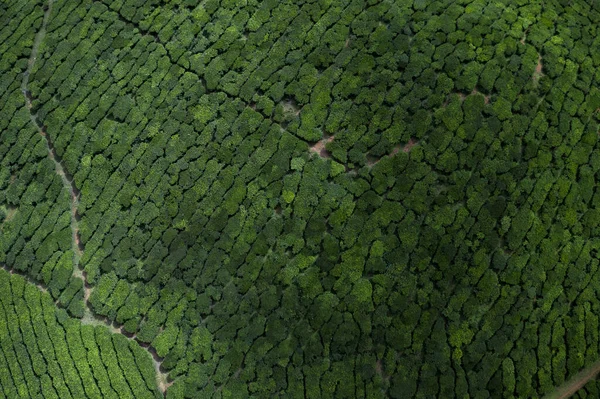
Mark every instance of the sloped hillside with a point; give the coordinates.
(299, 199)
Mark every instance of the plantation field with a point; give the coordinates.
(299, 199)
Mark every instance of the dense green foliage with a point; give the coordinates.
(38, 237)
(47, 354)
(444, 244)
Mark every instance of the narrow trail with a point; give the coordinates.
(89, 316)
(577, 382)
(60, 170)
(10, 213)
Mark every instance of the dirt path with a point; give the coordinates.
(10, 212)
(319, 147)
(162, 378)
(68, 183)
(40, 286)
(577, 382)
(60, 170)
(39, 37)
(538, 73)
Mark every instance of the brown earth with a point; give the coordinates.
(539, 66)
(486, 98)
(411, 143)
(319, 147)
(570, 387)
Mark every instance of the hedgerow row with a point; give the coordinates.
(464, 263)
(49, 354)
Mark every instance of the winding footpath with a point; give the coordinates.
(67, 180)
(60, 170)
(577, 382)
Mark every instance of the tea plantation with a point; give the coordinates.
(299, 198)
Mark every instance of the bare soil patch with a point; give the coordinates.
(486, 97)
(411, 143)
(319, 147)
(522, 41)
(463, 96)
(87, 292)
(537, 74)
(379, 370)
